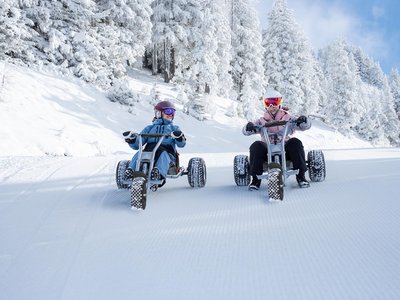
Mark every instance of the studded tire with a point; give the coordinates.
(275, 184)
(197, 172)
(122, 182)
(241, 170)
(316, 165)
(138, 193)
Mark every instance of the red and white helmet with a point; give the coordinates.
(164, 107)
(272, 97)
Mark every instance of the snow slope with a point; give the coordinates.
(66, 231)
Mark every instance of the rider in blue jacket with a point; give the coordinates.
(166, 154)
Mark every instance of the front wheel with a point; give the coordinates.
(316, 165)
(275, 182)
(197, 173)
(138, 193)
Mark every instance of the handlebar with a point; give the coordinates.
(132, 134)
(153, 135)
(276, 123)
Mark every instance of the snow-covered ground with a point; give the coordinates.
(66, 231)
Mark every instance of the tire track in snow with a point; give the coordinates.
(45, 221)
(20, 176)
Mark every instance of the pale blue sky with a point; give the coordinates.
(373, 25)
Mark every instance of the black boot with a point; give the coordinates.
(155, 174)
(301, 180)
(255, 183)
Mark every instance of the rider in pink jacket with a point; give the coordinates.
(293, 146)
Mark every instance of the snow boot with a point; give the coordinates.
(255, 183)
(155, 174)
(157, 178)
(302, 181)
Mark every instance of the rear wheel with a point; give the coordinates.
(122, 182)
(241, 170)
(316, 165)
(197, 173)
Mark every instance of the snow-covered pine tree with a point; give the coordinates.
(203, 70)
(16, 33)
(371, 116)
(247, 66)
(390, 122)
(191, 18)
(371, 73)
(168, 33)
(122, 93)
(288, 60)
(224, 48)
(320, 87)
(370, 124)
(124, 30)
(197, 62)
(94, 40)
(394, 83)
(344, 106)
(64, 41)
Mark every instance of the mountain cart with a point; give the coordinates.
(143, 181)
(278, 168)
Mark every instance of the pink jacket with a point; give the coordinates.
(281, 115)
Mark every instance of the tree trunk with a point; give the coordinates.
(166, 62)
(172, 66)
(154, 67)
(207, 89)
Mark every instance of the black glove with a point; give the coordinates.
(250, 127)
(178, 135)
(301, 119)
(130, 141)
(130, 137)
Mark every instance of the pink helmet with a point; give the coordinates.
(165, 107)
(161, 106)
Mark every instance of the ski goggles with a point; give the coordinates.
(169, 111)
(268, 102)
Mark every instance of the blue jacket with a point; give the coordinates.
(160, 126)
